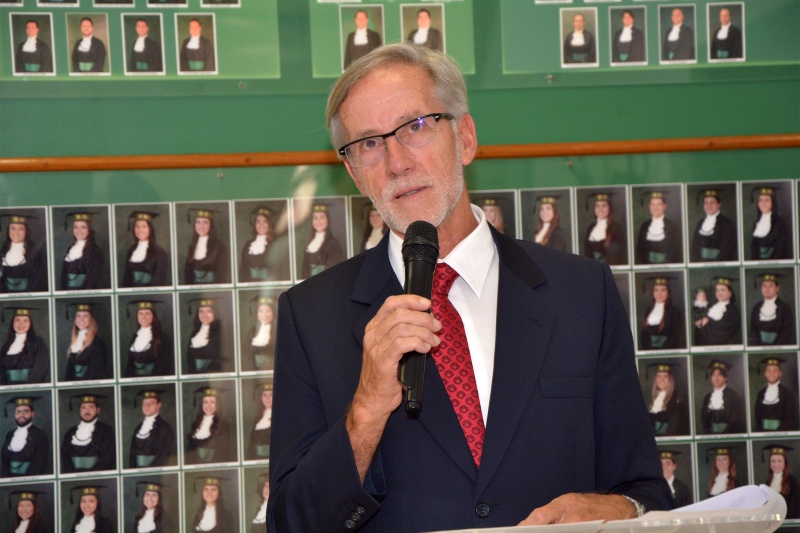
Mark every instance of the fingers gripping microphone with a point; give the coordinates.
(420, 252)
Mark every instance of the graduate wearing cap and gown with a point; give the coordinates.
(26, 448)
(579, 45)
(548, 231)
(206, 260)
(22, 261)
(680, 490)
(259, 522)
(772, 320)
(33, 55)
(723, 472)
(211, 515)
(374, 229)
(90, 445)
(662, 327)
(260, 341)
(87, 358)
(659, 239)
(722, 410)
(204, 353)
(153, 440)
(362, 40)
(678, 42)
(727, 41)
(771, 238)
(89, 513)
(197, 52)
(776, 405)
(209, 439)
(89, 52)
(323, 249)
(494, 213)
(723, 323)
(24, 357)
(259, 258)
(781, 480)
(628, 43)
(146, 263)
(667, 408)
(151, 517)
(258, 444)
(715, 235)
(604, 239)
(145, 53)
(82, 266)
(27, 515)
(150, 349)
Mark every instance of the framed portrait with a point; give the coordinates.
(660, 311)
(773, 382)
(32, 44)
(361, 30)
(196, 43)
(781, 456)
(20, 497)
(255, 494)
(712, 220)
(167, 3)
(717, 458)
(578, 37)
(207, 332)
(85, 453)
(98, 495)
(23, 253)
(149, 443)
(88, 44)
(258, 324)
(603, 224)
(768, 221)
(143, 38)
(320, 229)
(146, 329)
(367, 227)
(256, 417)
(262, 241)
(56, 3)
(84, 347)
(678, 39)
(81, 248)
(628, 31)
(423, 25)
(35, 455)
(720, 393)
(500, 209)
(113, 3)
(154, 496)
(220, 3)
(203, 239)
(716, 309)
(677, 465)
(217, 488)
(210, 429)
(143, 246)
(665, 386)
(546, 216)
(25, 343)
(770, 305)
(726, 39)
(658, 217)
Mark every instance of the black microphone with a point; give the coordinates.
(420, 252)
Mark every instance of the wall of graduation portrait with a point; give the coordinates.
(207, 332)
(622, 280)
(776, 463)
(500, 209)
(722, 465)
(146, 338)
(603, 224)
(23, 252)
(87, 501)
(658, 220)
(88, 44)
(25, 342)
(34, 502)
(424, 24)
(151, 501)
(767, 221)
(258, 324)
(196, 43)
(87, 431)
(32, 44)
(209, 427)
(255, 495)
(628, 35)
(143, 42)
(262, 243)
(579, 37)
(81, 247)
(665, 386)
(773, 381)
(143, 245)
(546, 216)
(203, 241)
(84, 333)
(678, 35)
(27, 452)
(712, 222)
(726, 35)
(149, 428)
(719, 383)
(256, 412)
(367, 227)
(660, 310)
(211, 500)
(677, 466)
(361, 29)
(320, 229)
(770, 304)
(716, 308)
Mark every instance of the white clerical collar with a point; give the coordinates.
(468, 258)
(86, 44)
(139, 46)
(30, 45)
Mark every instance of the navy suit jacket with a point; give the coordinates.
(566, 411)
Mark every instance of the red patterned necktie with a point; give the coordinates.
(454, 362)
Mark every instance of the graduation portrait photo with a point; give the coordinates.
(767, 221)
(661, 310)
(361, 31)
(677, 466)
(367, 227)
(56, 3)
(196, 43)
(776, 463)
(712, 214)
(25, 342)
(23, 252)
(678, 38)
(89, 505)
(547, 217)
(88, 43)
(665, 385)
(423, 25)
(262, 241)
(30, 503)
(151, 503)
(148, 414)
(658, 215)
(720, 393)
(721, 466)
(143, 36)
(143, 250)
(258, 324)
(579, 37)
(84, 338)
(320, 229)
(203, 236)
(209, 422)
(774, 391)
(146, 335)
(628, 36)
(770, 307)
(603, 223)
(257, 417)
(220, 3)
(81, 248)
(207, 321)
(256, 494)
(499, 207)
(726, 40)
(26, 430)
(211, 500)
(87, 422)
(716, 308)
(32, 44)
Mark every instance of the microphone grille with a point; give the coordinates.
(421, 241)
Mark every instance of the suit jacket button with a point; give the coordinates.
(360, 510)
(482, 510)
(355, 517)
(349, 524)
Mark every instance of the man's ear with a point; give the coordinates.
(468, 138)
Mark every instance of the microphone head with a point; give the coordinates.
(421, 242)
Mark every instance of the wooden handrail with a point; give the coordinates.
(328, 157)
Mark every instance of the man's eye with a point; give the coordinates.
(415, 126)
(370, 144)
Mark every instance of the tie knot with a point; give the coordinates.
(443, 278)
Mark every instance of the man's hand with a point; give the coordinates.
(575, 507)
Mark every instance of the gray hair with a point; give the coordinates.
(449, 88)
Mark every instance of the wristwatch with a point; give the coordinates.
(640, 510)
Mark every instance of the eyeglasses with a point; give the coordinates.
(414, 133)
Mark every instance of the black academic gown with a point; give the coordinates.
(630, 52)
(31, 460)
(211, 269)
(668, 250)
(354, 51)
(150, 363)
(225, 523)
(209, 357)
(158, 449)
(91, 61)
(719, 246)
(160, 528)
(681, 493)
(775, 245)
(792, 499)
(272, 265)
(434, 41)
(101, 525)
(729, 419)
(38, 529)
(200, 60)
(329, 254)
(152, 272)
(726, 330)
(217, 448)
(670, 421)
(91, 363)
(84, 273)
(38, 62)
(557, 239)
(30, 276)
(148, 60)
(773, 332)
(99, 454)
(258, 444)
(612, 254)
(262, 357)
(730, 48)
(781, 416)
(671, 336)
(580, 54)
(680, 50)
(31, 365)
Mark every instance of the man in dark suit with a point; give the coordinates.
(424, 35)
(33, 54)
(715, 235)
(628, 43)
(89, 52)
(25, 448)
(579, 46)
(679, 40)
(727, 40)
(197, 51)
(361, 41)
(567, 419)
(659, 239)
(146, 53)
(772, 319)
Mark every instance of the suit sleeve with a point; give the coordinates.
(101, 56)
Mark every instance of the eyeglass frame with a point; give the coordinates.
(436, 117)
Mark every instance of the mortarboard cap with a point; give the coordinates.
(208, 480)
(197, 303)
(86, 398)
(140, 305)
(660, 367)
(18, 401)
(650, 195)
(147, 393)
(719, 450)
(770, 361)
(258, 388)
(200, 213)
(716, 364)
(723, 280)
(767, 276)
(661, 279)
(140, 215)
(548, 199)
(599, 197)
(85, 490)
(259, 300)
(489, 201)
(320, 208)
(24, 495)
(668, 454)
(216, 392)
(81, 306)
(775, 449)
(85, 216)
(705, 193)
(17, 311)
(762, 191)
(148, 486)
